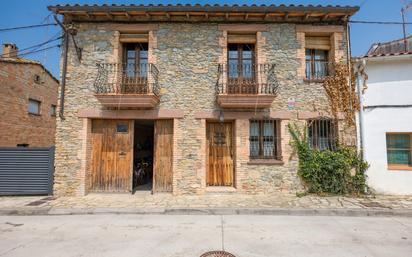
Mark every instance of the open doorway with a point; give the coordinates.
(143, 155)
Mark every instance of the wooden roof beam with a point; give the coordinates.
(109, 15)
(325, 17)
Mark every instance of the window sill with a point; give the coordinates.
(313, 80)
(394, 167)
(34, 114)
(265, 162)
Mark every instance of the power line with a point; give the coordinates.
(52, 39)
(381, 22)
(28, 27)
(40, 50)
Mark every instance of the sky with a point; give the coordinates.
(28, 12)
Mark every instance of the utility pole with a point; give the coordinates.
(403, 11)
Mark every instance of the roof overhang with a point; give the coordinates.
(203, 13)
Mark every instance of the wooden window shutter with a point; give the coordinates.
(241, 38)
(312, 42)
(134, 38)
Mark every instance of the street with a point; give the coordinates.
(184, 235)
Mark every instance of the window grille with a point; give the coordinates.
(322, 134)
(265, 139)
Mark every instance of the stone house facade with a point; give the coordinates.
(215, 86)
(28, 101)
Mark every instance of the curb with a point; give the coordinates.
(209, 211)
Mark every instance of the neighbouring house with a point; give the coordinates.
(28, 100)
(387, 121)
(191, 99)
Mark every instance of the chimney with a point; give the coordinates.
(9, 51)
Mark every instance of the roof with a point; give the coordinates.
(391, 48)
(308, 13)
(20, 60)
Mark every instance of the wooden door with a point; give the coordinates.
(163, 156)
(112, 156)
(219, 138)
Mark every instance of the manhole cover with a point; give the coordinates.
(217, 254)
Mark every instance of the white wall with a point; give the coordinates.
(389, 83)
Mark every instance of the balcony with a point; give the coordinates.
(120, 85)
(246, 86)
(317, 71)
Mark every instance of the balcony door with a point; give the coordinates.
(135, 68)
(241, 69)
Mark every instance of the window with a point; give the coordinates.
(34, 107)
(316, 64)
(241, 68)
(37, 79)
(122, 128)
(398, 147)
(136, 60)
(241, 60)
(322, 134)
(265, 139)
(53, 110)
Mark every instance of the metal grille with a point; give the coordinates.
(123, 78)
(26, 171)
(217, 254)
(322, 134)
(247, 79)
(264, 139)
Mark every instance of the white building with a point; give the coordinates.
(387, 119)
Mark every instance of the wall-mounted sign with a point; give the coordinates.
(291, 103)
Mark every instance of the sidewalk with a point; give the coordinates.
(280, 204)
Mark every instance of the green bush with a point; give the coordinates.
(336, 172)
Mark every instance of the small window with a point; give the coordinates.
(317, 65)
(122, 128)
(34, 107)
(264, 139)
(322, 134)
(398, 147)
(53, 110)
(22, 145)
(37, 79)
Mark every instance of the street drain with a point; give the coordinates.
(217, 254)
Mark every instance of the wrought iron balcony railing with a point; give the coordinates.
(120, 78)
(246, 79)
(318, 70)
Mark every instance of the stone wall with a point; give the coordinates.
(187, 56)
(17, 86)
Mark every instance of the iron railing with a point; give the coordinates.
(120, 78)
(318, 70)
(246, 79)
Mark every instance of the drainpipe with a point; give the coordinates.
(64, 71)
(64, 68)
(360, 65)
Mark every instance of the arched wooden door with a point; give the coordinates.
(220, 168)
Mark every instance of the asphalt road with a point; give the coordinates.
(183, 235)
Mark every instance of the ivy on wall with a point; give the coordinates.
(341, 171)
(340, 88)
